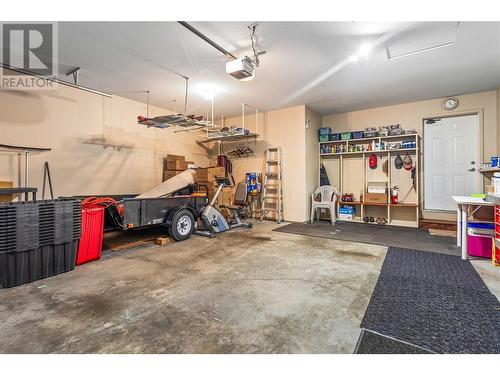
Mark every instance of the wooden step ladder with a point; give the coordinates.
(272, 195)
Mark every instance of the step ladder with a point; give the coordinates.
(272, 195)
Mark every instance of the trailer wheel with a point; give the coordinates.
(182, 225)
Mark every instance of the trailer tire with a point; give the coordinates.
(182, 225)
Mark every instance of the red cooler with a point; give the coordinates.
(90, 247)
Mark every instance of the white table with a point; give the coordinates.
(463, 204)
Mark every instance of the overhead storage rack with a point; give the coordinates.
(168, 121)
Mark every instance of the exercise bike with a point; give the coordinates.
(213, 220)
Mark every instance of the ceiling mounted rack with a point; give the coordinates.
(174, 120)
(168, 121)
(232, 134)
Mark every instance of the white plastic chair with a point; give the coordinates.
(328, 200)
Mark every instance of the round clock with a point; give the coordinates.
(450, 103)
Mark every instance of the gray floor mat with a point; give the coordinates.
(435, 301)
(383, 235)
(375, 343)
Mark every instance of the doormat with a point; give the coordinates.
(434, 301)
(383, 235)
(374, 343)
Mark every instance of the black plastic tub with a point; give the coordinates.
(17, 268)
(38, 239)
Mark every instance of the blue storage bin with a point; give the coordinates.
(335, 137)
(481, 225)
(346, 210)
(325, 131)
(357, 135)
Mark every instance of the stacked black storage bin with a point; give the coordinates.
(38, 239)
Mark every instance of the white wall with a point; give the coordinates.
(311, 155)
(283, 128)
(66, 119)
(411, 115)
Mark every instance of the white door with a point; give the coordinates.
(451, 160)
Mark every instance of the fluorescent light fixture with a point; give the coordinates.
(365, 50)
(423, 38)
(392, 57)
(354, 58)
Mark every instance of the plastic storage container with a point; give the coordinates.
(38, 239)
(383, 132)
(335, 137)
(357, 135)
(90, 247)
(479, 245)
(345, 136)
(325, 131)
(17, 268)
(369, 133)
(496, 182)
(346, 217)
(324, 138)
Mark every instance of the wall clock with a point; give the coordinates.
(450, 104)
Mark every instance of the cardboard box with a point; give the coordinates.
(375, 198)
(6, 197)
(174, 163)
(170, 174)
(225, 197)
(208, 174)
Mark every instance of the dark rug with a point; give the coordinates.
(374, 343)
(383, 235)
(435, 301)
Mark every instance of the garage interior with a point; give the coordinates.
(252, 187)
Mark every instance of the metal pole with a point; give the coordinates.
(243, 116)
(213, 123)
(58, 81)
(26, 167)
(206, 39)
(19, 169)
(257, 121)
(186, 96)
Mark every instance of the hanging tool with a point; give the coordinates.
(46, 176)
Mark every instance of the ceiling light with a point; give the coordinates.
(354, 58)
(365, 50)
(207, 91)
(208, 95)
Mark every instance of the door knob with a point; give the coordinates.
(473, 162)
(471, 170)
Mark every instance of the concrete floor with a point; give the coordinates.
(247, 291)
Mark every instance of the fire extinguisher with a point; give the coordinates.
(394, 194)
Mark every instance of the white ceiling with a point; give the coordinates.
(306, 62)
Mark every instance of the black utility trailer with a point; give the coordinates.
(178, 214)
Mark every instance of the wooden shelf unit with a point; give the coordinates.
(349, 172)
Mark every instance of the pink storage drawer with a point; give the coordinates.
(479, 246)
